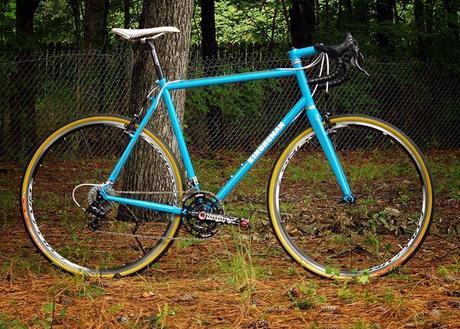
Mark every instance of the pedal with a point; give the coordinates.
(244, 223)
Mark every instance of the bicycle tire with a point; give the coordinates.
(384, 150)
(31, 188)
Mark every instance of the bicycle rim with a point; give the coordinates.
(69, 165)
(381, 230)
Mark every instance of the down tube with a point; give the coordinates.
(260, 151)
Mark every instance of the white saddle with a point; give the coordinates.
(152, 33)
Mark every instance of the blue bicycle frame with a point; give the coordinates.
(305, 103)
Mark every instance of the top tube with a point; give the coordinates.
(295, 53)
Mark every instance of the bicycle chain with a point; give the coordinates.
(149, 237)
(142, 192)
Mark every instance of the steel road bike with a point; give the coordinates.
(351, 195)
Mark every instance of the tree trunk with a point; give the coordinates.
(23, 111)
(419, 21)
(302, 22)
(327, 19)
(286, 16)
(95, 23)
(429, 7)
(273, 28)
(385, 15)
(75, 6)
(340, 14)
(126, 13)
(348, 14)
(209, 51)
(361, 12)
(173, 50)
(451, 8)
(95, 32)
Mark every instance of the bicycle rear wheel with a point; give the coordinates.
(385, 226)
(69, 165)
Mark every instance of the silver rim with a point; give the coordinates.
(64, 261)
(319, 267)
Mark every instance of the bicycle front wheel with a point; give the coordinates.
(62, 180)
(377, 233)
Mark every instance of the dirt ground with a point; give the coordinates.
(215, 284)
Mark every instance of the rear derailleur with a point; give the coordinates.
(98, 208)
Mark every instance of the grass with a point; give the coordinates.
(447, 171)
(8, 201)
(91, 290)
(21, 265)
(401, 274)
(187, 243)
(304, 295)
(346, 294)
(240, 270)
(77, 286)
(10, 322)
(161, 318)
(447, 272)
(362, 324)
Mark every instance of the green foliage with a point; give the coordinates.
(266, 22)
(449, 271)
(332, 270)
(241, 271)
(54, 22)
(9, 322)
(346, 294)
(245, 22)
(160, 320)
(91, 291)
(232, 101)
(362, 324)
(187, 243)
(363, 278)
(304, 295)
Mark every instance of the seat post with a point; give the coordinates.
(156, 62)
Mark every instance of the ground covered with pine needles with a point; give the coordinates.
(238, 279)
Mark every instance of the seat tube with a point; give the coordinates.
(191, 176)
(314, 117)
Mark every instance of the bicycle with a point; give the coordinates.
(351, 195)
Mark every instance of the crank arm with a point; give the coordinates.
(218, 218)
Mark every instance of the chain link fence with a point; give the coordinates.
(39, 95)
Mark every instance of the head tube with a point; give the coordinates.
(295, 53)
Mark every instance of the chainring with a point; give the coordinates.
(197, 202)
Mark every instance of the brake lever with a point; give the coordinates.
(357, 59)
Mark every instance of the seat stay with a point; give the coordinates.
(134, 137)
